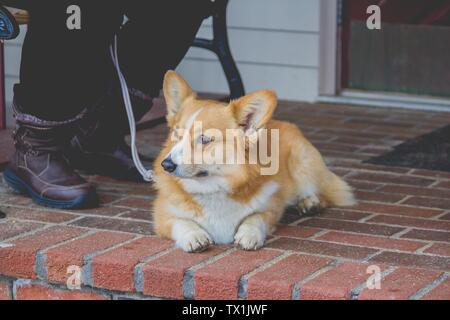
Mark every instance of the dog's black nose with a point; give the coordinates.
(168, 164)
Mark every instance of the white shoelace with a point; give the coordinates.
(147, 175)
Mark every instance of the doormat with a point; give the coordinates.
(430, 151)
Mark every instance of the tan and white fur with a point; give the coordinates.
(198, 205)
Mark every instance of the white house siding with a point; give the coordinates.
(13, 51)
(276, 46)
(275, 43)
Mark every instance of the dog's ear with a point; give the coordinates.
(176, 91)
(253, 111)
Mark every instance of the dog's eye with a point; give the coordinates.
(205, 139)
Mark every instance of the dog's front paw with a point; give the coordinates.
(194, 241)
(249, 237)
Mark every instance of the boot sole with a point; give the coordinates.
(18, 185)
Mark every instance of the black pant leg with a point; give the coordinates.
(157, 37)
(62, 70)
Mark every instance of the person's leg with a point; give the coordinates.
(156, 38)
(62, 72)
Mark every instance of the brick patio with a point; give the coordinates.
(401, 225)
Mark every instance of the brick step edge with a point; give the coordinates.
(27, 289)
(110, 264)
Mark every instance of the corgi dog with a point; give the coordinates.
(200, 203)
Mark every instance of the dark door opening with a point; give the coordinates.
(409, 55)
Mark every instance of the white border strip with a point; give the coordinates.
(387, 100)
(328, 47)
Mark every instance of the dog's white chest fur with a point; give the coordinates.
(222, 215)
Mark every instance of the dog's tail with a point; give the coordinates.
(336, 192)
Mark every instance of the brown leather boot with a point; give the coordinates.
(98, 146)
(38, 167)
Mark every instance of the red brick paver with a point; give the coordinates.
(441, 292)
(323, 248)
(382, 230)
(335, 284)
(400, 284)
(278, 281)
(9, 229)
(164, 276)
(220, 280)
(429, 235)
(441, 249)
(5, 291)
(295, 232)
(413, 260)
(114, 269)
(19, 259)
(50, 216)
(397, 210)
(372, 241)
(412, 222)
(39, 292)
(60, 258)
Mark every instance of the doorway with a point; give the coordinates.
(409, 55)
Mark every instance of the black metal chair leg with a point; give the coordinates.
(223, 51)
(220, 46)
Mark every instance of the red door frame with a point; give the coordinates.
(2, 89)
